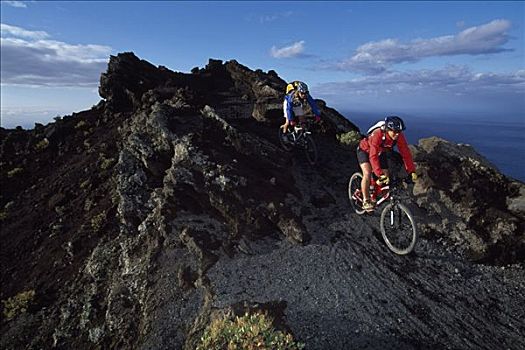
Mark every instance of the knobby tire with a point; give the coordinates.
(310, 150)
(404, 227)
(284, 144)
(354, 186)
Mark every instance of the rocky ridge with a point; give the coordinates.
(171, 199)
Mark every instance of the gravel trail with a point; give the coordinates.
(346, 290)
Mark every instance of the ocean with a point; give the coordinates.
(501, 142)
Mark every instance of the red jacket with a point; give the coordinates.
(374, 145)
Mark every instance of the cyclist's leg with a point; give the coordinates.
(285, 125)
(368, 204)
(366, 169)
(292, 135)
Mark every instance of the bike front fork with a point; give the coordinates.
(294, 136)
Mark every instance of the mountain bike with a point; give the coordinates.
(397, 223)
(300, 137)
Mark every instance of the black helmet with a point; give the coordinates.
(301, 87)
(394, 123)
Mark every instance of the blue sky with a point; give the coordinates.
(428, 58)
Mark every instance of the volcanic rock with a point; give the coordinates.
(469, 201)
(132, 224)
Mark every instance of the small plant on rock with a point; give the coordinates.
(42, 145)
(251, 331)
(350, 138)
(98, 221)
(14, 172)
(85, 184)
(18, 304)
(105, 163)
(81, 124)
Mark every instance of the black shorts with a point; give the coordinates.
(362, 157)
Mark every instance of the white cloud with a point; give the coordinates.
(293, 50)
(452, 79)
(378, 56)
(19, 4)
(448, 90)
(12, 31)
(30, 58)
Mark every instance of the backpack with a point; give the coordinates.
(380, 124)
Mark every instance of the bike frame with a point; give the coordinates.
(395, 215)
(300, 131)
(300, 137)
(394, 199)
(380, 193)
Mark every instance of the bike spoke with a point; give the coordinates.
(354, 193)
(398, 228)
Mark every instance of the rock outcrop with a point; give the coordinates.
(131, 224)
(470, 202)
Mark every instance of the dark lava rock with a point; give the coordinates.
(134, 221)
(470, 202)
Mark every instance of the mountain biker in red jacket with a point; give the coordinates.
(296, 98)
(372, 152)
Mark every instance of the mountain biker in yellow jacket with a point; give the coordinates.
(372, 151)
(296, 98)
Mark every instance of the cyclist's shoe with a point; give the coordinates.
(368, 206)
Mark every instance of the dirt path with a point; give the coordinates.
(346, 290)
(354, 292)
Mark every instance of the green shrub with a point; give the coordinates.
(98, 221)
(105, 163)
(84, 184)
(14, 172)
(350, 138)
(80, 124)
(42, 145)
(3, 215)
(251, 331)
(18, 304)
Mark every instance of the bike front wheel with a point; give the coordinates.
(284, 140)
(398, 228)
(310, 150)
(354, 193)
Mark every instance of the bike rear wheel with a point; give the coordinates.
(398, 228)
(354, 193)
(310, 150)
(283, 140)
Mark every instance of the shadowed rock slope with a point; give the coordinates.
(131, 224)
